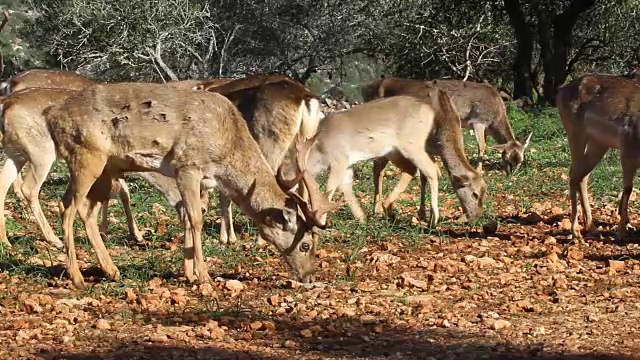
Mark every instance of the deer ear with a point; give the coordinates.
(459, 180)
(525, 143)
(290, 216)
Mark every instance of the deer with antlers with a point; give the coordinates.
(26, 140)
(277, 109)
(480, 108)
(600, 112)
(105, 131)
(397, 129)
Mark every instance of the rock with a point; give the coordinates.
(490, 228)
(31, 306)
(273, 300)
(574, 253)
(500, 324)
(469, 259)
(408, 281)
(615, 266)
(419, 299)
(486, 262)
(556, 210)
(565, 224)
(103, 324)
(130, 295)
(234, 285)
(256, 325)
(268, 325)
(306, 333)
(158, 338)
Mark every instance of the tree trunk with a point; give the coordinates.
(559, 45)
(524, 52)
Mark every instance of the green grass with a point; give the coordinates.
(540, 178)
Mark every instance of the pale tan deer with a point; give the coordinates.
(26, 140)
(276, 109)
(480, 108)
(447, 143)
(398, 129)
(201, 140)
(600, 112)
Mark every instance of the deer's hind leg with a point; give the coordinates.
(89, 186)
(423, 161)
(584, 157)
(408, 170)
(34, 178)
(629, 168)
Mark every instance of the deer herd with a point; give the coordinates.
(262, 140)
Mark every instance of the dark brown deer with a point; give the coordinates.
(600, 112)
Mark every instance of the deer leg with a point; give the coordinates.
(88, 208)
(68, 211)
(479, 132)
(189, 186)
(17, 187)
(582, 163)
(408, 171)
(628, 172)
(347, 190)
(227, 233)
(35, 177)
(104, 224)
(430, 170)
(378, 179)
(8, 175)
(125, 197)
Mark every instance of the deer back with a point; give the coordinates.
(47, 78)
(603, 106)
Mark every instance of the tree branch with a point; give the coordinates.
(157, 58)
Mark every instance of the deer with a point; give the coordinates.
(598, 113)
(111, 129)
(277, 110)
(398, 129)
(447, 144)
(26, 140)
(46, 78)
(194, 84)
(480, 108)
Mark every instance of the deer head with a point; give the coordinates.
(513, 153)
(299, 222)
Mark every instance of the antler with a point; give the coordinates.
(318, 203)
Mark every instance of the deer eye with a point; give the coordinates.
(305, 247)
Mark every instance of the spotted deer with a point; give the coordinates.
(277, 109)
(480, 108)
(46, 78)
(26, 140)
(197, 137)
(600, 112)
(397, 129)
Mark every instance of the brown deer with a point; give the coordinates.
(26, 140)
(276, 109)
(600, 112)
(398, 129)
(193, 84)
(480, 108)
(200, 139)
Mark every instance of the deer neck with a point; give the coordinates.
(501, 130)
(251, 185)
(451, 151)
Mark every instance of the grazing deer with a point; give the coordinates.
(46, 78)
(447, 143)
(26, 140)
(198, 138)
(276, 109)
(479, 106)
(600, 112)
(397, 129)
